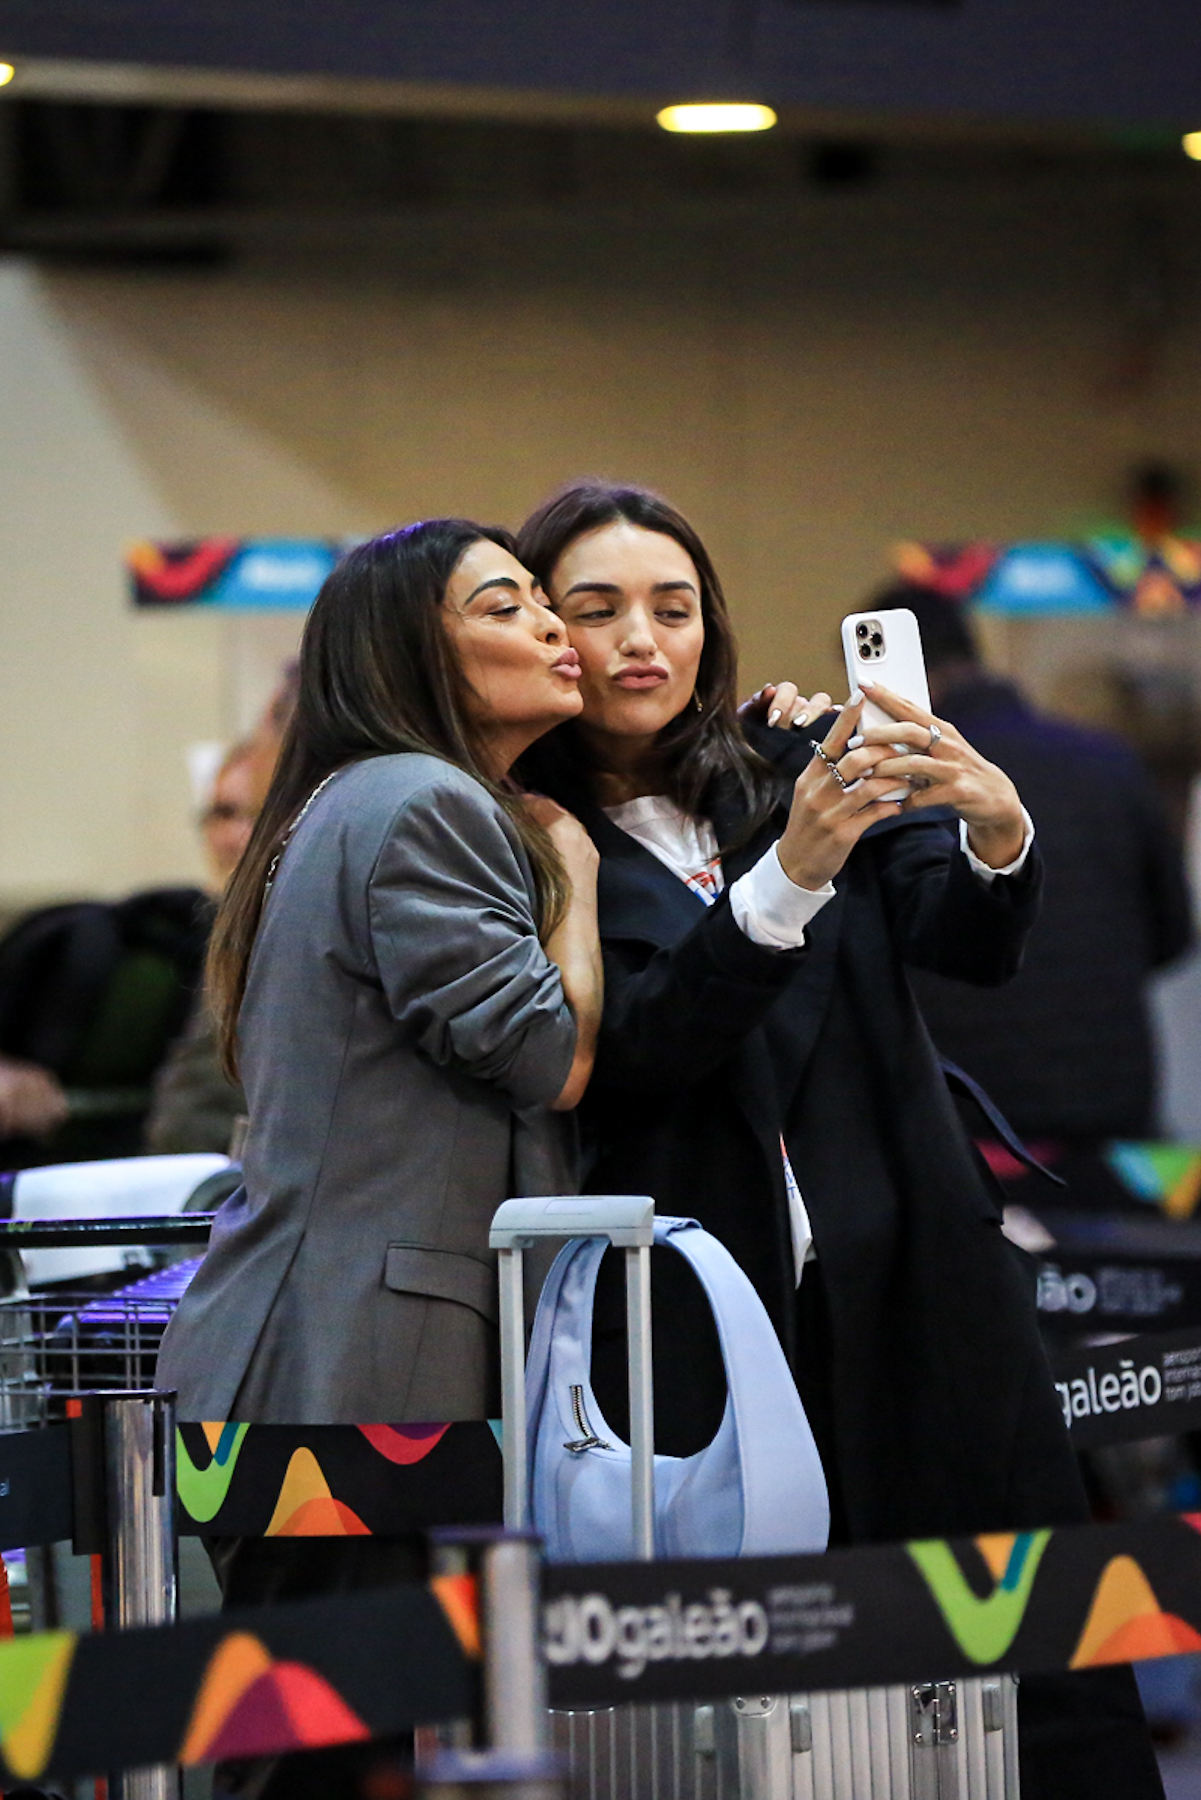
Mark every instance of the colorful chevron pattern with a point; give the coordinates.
(334, 1480)
(1165, 1175)
(249, 1705)
(404, 1444)
(1126, 1622)
(33, 1681)
(307, 1508)
(203, 1490)
(984, 1628)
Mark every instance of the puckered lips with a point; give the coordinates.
(640, 678)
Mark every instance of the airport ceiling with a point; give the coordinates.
(1126, 64)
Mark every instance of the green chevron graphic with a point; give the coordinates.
(983, 1629)
(33, 1680)
(203, 1491)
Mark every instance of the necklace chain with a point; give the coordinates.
(290, 833)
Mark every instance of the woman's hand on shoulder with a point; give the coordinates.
(782, 703)
(575, 847)
(944, 770)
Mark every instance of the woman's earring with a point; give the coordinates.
(697, 701)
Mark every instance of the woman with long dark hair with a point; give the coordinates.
(762, 1065)
(406, 976)
(405, 972)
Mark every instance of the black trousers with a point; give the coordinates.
(257, 1571)
(1081, 1735)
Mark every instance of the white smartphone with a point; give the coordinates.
(886, 647)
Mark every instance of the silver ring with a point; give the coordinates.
(832, 767)
(935, 737)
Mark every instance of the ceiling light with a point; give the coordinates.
(1190, 143)
(6, 73)
(717, 116)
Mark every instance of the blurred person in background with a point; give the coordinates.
(1065, 1049)
(234, 804)
(196, 1107)
(32, 1101)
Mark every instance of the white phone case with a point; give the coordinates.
(886, 647)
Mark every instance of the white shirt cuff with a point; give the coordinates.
(981, 868)
(772, 910)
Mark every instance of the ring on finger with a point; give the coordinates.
(935, 737)
(832, 767)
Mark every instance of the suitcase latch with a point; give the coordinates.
(934, 1714)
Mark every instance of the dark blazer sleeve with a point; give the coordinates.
(944, 917)
(674, 1018)
(457, 949)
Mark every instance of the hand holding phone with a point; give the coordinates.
(938, 765)
(886, 647)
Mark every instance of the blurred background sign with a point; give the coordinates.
(247, 574)
(1158, 580)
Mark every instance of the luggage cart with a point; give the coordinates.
(56, 1347)
(60, 1349)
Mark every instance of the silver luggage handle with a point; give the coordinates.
(628, 1221)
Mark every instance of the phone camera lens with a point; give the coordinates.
(861, 631)
(877, 639)
(865, 651)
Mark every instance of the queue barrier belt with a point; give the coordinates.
(241, 1480)
(343, 1669)
(1091, 1288)
(274, 1679)
(1074, 1597)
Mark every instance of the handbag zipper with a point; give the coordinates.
(589, 1439)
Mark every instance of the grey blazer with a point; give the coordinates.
(402, 1034)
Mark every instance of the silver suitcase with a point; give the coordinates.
(946, 1740)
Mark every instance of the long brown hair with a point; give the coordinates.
(700, 745)
(377, 675)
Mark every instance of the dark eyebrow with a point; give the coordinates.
(495, 581)
(611, 587)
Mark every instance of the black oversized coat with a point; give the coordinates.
(712, 1048)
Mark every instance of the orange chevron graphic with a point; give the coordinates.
(234, 1666)
(249, 1705)
(458, 1596)
(996, 1548)
(307, 1508)
(33, 1680)
(1126, 1622)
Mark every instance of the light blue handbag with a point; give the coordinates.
(756, 1490)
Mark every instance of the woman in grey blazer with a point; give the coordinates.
(407, 973)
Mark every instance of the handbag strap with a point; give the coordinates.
(762, 1393)
(769, 1417)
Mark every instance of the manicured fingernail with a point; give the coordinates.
(855, 696)
(867, 686)
(773, 716)
(801, 719)
(854, 743)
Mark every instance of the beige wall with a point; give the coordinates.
(935, 358)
